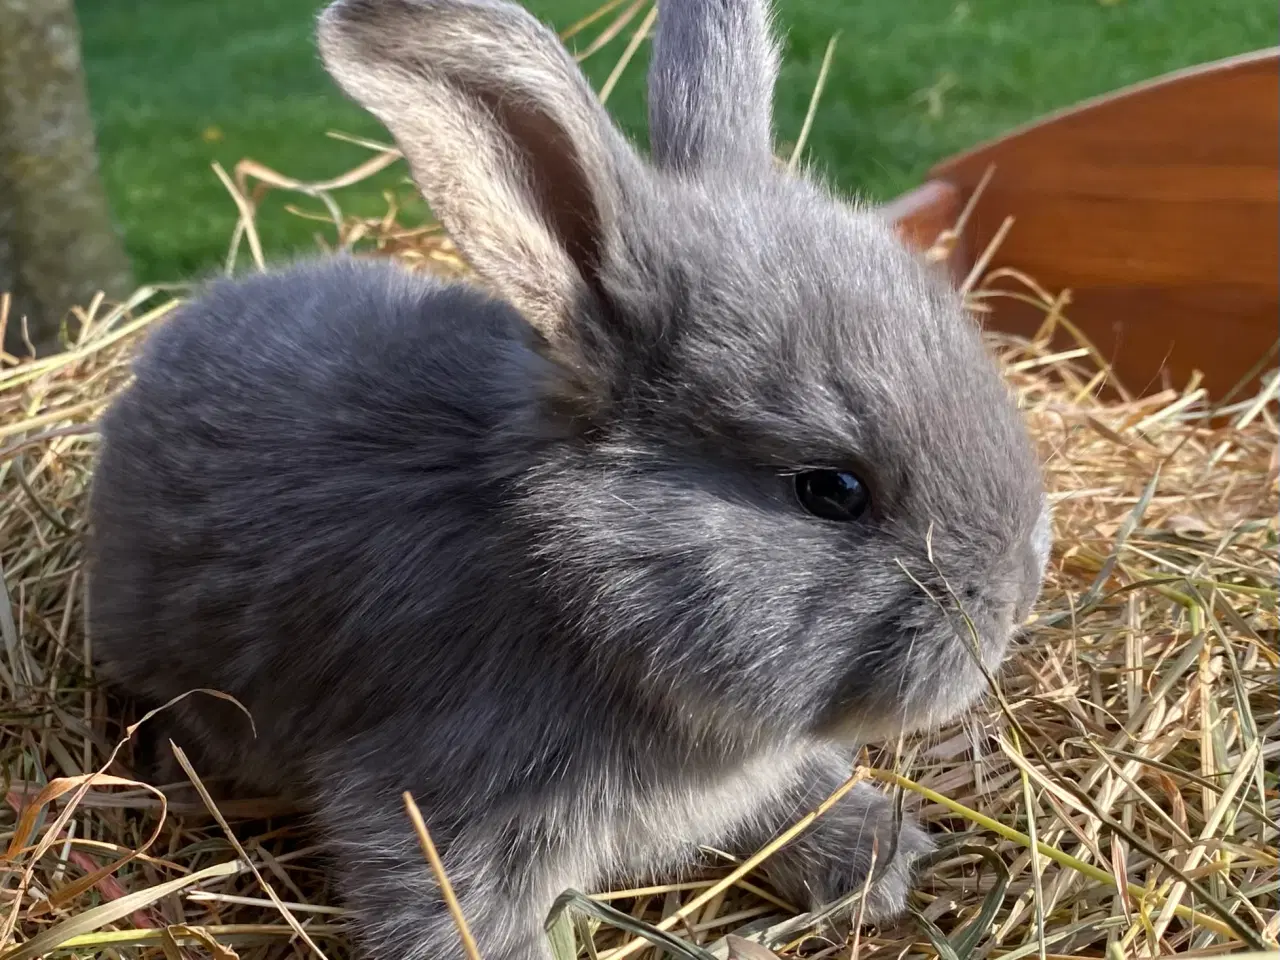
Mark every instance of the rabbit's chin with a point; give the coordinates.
(925, 714)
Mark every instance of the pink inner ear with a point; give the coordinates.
(555, 176)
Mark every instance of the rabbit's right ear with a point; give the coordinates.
(711, 81)
(502, 133)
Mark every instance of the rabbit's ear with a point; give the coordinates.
(711, 84)
(502, 133)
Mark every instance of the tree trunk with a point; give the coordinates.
(58, 245)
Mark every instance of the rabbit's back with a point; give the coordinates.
(302, 470)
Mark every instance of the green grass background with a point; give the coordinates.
(177, 84)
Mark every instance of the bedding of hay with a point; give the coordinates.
(1117, 798)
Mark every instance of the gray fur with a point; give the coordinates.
(501, 131)
(538, 560)
(711, 86)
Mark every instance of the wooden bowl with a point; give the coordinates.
(1157, 206)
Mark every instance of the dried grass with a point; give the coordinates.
(1118, 797)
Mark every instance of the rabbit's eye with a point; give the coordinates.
(832, 494)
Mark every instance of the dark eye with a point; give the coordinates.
(832, 494)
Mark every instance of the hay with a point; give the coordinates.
(1118, 798)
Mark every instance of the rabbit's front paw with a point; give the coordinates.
(892, 880)
(859, 836)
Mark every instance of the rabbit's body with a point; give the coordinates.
(364, 407)
(620, 564)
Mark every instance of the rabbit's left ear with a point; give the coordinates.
(503, 135)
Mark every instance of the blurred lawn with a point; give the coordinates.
(177, 84)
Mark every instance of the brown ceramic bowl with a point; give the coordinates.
(1157, 206)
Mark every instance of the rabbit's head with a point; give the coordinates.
(786, 485)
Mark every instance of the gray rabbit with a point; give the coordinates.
(623, 556)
